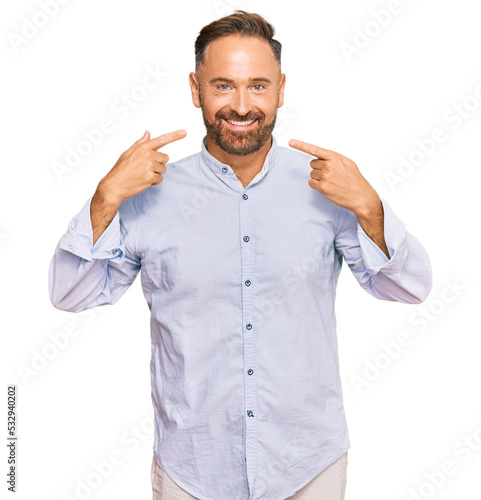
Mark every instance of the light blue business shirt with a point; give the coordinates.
(241, 285)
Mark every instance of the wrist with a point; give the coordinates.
(104, 195)
(370, 208)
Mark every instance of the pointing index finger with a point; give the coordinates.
(321, 153)
(164, 139)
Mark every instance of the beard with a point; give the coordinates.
(238, 142)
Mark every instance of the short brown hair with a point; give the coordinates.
(239, 23)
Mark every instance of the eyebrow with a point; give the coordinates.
(228, 80)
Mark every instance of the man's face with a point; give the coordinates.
(239, 83)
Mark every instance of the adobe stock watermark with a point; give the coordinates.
(102, 469)
(392, 350)
(284, 119)
(30, 28)
(379, 21)
(121, 108)
(294, 276)
(41, 358)
(462, 451)
(200, 200)
(225, 7)
(454, 117)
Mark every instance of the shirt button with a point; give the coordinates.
(250, 414)
(250, 371)
(248, 283)
(246, 238)
(249, 326)
(114, 251)
(245, 196)
(224, 169)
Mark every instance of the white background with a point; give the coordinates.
(89, 398)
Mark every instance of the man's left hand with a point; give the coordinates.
(339, 180)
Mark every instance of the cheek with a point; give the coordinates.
(267, 103)
(213, 105)
(210, 112)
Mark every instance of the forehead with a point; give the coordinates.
(240, 57)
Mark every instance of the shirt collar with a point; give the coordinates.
(222, 169)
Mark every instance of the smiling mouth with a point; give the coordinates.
(238, 124)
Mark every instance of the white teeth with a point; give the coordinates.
(241, 123)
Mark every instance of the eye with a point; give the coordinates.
(258, 85)
(223, 85)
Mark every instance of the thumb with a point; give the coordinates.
(144, 138)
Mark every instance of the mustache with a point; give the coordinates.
(237, 118)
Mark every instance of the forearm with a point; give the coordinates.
(81, 276)
(102, 210)
(371, 218)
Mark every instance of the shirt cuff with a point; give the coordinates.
(374, 258)
(79, 238)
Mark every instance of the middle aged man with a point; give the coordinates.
(240, 248)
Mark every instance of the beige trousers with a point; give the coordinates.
(330, 484)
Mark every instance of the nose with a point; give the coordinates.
(241, 102)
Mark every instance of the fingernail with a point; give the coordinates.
(292, 143)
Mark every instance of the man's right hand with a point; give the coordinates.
(138, 168)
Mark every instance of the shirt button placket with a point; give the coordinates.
(248, 284)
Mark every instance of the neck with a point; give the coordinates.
(245, 167)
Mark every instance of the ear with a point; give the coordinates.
(194, 87)
(281, 90)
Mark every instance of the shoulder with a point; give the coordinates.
(294, 162)
(184, 163)
(294, 155)
(178, 172)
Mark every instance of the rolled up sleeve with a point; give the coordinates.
(405, 277)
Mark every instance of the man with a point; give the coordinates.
(245, 373)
